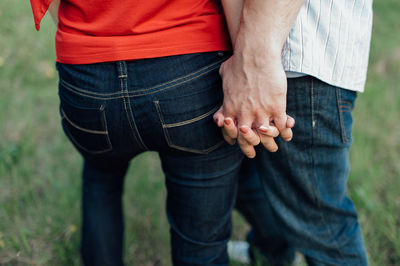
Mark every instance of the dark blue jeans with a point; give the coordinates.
(295, 199)
(113, 111)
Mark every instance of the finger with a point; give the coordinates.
(219, 117)
(230, 128)
(247, 149)
(266, 126)
(229, 131)
(280, 121)
(249, 135)
(270, 131)
(245, 132)
(268, 143)
(227, 138)
(287, 134)
(290, 122)
(267, 133)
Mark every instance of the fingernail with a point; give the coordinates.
(244, 130)
(227, 121)
(263, 129)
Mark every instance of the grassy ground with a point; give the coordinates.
(39, 170)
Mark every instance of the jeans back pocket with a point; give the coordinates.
(187, 120)
(85, 127)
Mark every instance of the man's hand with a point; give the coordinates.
(255, 97)
(254, 81)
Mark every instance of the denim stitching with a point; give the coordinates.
(142, 90)
(206, 151)
(161, 117)
(313, 133)
(186, 76)
(136, 133)
(191, 120)
(179, 83)
(86, 150)
(104, 122)
(341, 118)
(168, 138)
(98, 132)
(127, 105)
(129, 94)
(66, 84)
(109, 148)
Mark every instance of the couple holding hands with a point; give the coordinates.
(161, 76)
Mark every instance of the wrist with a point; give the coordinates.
(258, 48)
(260, 58)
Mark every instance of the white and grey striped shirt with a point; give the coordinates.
(330, 40)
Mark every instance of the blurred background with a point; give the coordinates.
(40, 170)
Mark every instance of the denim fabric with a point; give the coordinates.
(113, 111)
(296, 198)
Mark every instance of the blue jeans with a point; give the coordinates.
(114, 111)
(295, 199)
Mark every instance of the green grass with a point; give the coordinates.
(40, 171)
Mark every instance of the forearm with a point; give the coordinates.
(233, 12)
(264, 27)
(254, 81)
(53, 9)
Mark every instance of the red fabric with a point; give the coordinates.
(94, 31)
(39, 8)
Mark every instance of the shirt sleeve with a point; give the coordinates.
(39, 8)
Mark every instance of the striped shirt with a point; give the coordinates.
(330, 40)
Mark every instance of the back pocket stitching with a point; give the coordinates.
(81, 128)
(186, 122)
(105, 132)
(168, 138)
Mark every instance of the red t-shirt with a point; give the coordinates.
(93, 31)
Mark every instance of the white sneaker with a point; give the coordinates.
(299, 260)
(239, 251)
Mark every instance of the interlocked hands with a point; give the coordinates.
(254, 107)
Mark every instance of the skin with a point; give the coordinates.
(254, 81)
(53, 9)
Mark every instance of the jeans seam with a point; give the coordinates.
(129, 115)
(312, 107)
(72, 87)
(313, 133)
(208, 70)
(344, 136)
(315, 177)
(92, 97)
(126, 94)
(194, 74)
(104, 122)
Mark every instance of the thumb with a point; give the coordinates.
(290, 122)
(219, 117)
(280, 121)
